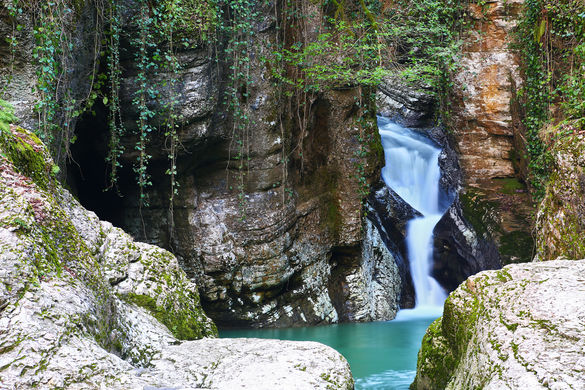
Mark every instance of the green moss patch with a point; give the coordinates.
(26, 152)
(183, 322)
(436, 362)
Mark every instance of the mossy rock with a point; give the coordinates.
(28, 155)
(183, 321)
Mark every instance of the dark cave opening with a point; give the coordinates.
(87, 170)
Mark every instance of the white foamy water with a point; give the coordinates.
(412, 171)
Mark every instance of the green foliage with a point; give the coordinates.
(551, 40)
(114, 72)
(424, 38)
(346, 54)
(6, 116)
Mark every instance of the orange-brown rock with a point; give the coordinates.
(482, 121)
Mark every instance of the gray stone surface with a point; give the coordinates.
(68, 306)
(517, 328)
(259, 240)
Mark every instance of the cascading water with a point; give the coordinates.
(412, 171)
(383, 354)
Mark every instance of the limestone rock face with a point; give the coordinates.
(76, 64)
(390, 214)
(371, 289)
(483, 124)
(83, 306)
(517, 328)
(560, 221)
(260, 239)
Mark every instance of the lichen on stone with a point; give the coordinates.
(509, 329)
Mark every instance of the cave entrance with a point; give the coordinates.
(87, 171)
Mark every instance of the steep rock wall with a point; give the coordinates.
(486, 128)
(483, 124)
(270, 243)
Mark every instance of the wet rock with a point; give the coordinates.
(389, 213)
(369, 290)
(520, 327)
(409, 105)
(459, 250)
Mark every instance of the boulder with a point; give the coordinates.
(517, 328)
(83, 306)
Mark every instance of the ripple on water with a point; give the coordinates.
(387, 380)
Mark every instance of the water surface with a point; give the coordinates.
(382, 355)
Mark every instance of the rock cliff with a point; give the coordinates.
(517, 328)
(483, 124)
(269, 220)
(278, 240)
(560, 220)
(82, 305)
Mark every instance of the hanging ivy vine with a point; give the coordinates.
(115, 122)
(551, 41)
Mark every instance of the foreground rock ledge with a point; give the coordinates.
(522, 327)
(83, 306)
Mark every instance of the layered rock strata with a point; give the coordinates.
(482, 122)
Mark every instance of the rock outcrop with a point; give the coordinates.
(483, 124)
(460, 250)
(260, 237)
(82, 305)
(560, 224)
(517, 328)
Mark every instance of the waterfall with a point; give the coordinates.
(412, 171)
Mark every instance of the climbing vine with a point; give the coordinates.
(51, 24)
(145, 43)
(172, 16)
(114, 73)
(551, 40)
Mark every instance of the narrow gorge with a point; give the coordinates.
(292, 194)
